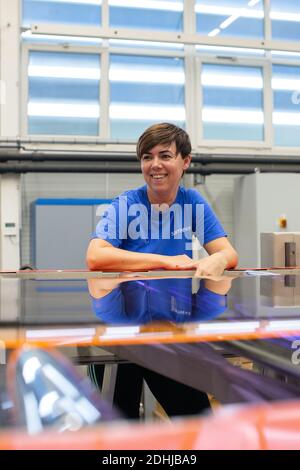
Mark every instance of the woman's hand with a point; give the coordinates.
(213, 265)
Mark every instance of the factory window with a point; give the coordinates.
(83, 12)
(285, 17)
(286, 98)
(166, 15)
(63, 94)
(144, 90)
(232, 102)
(237, 18)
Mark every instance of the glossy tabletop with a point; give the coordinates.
(171, 322)
(90, 308)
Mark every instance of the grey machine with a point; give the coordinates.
(61, 230)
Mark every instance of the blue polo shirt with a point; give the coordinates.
(133, 224)
(141, 302)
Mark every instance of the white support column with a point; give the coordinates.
(10, 15)
(9, 67)
(10, 222)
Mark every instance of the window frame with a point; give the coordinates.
(193, 61)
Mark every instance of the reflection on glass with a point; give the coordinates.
(147, 301)
(286, 98)
(232, 102)
(241, 18)
(46, 391)
(63, 93)
(166, 15)
(144, 90)
(285, 17)
(82, 12)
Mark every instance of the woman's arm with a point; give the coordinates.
(222, 256)
(101, 255)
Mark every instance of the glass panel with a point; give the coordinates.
(286, 97)
(285, 17)
(241, 18)
(232, 102)
(166, 15)
(144, 90)
(84, 12)
(63, 93)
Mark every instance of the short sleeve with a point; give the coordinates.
(110, 308)
(206, 225)
(208, 304)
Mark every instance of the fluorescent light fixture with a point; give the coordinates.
(286, 53)
(275, 325)
(63, 384)
(132, 75)
(46, 71)
(120, 331)
(34, 424)
(47, 109)
(252, 3)
(232, 116)
(291, 84)
(147, 4)
(229, 11)
(282, 16)
(214, 32)
(245, 12)
(228, 327)
(30, 368)
(87, 410)
(145, 112)
(229, 21)
(32, 334)
(286, 119)
(47, 402)
(231, 81)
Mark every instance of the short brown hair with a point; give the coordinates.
(164, 133)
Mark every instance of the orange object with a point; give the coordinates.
(282, 221)
(263, 427)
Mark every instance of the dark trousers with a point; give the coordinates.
(177, 399)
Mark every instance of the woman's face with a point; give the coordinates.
(162, 169)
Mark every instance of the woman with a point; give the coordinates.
(151, 227)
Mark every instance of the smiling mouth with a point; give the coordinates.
(158, 177)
